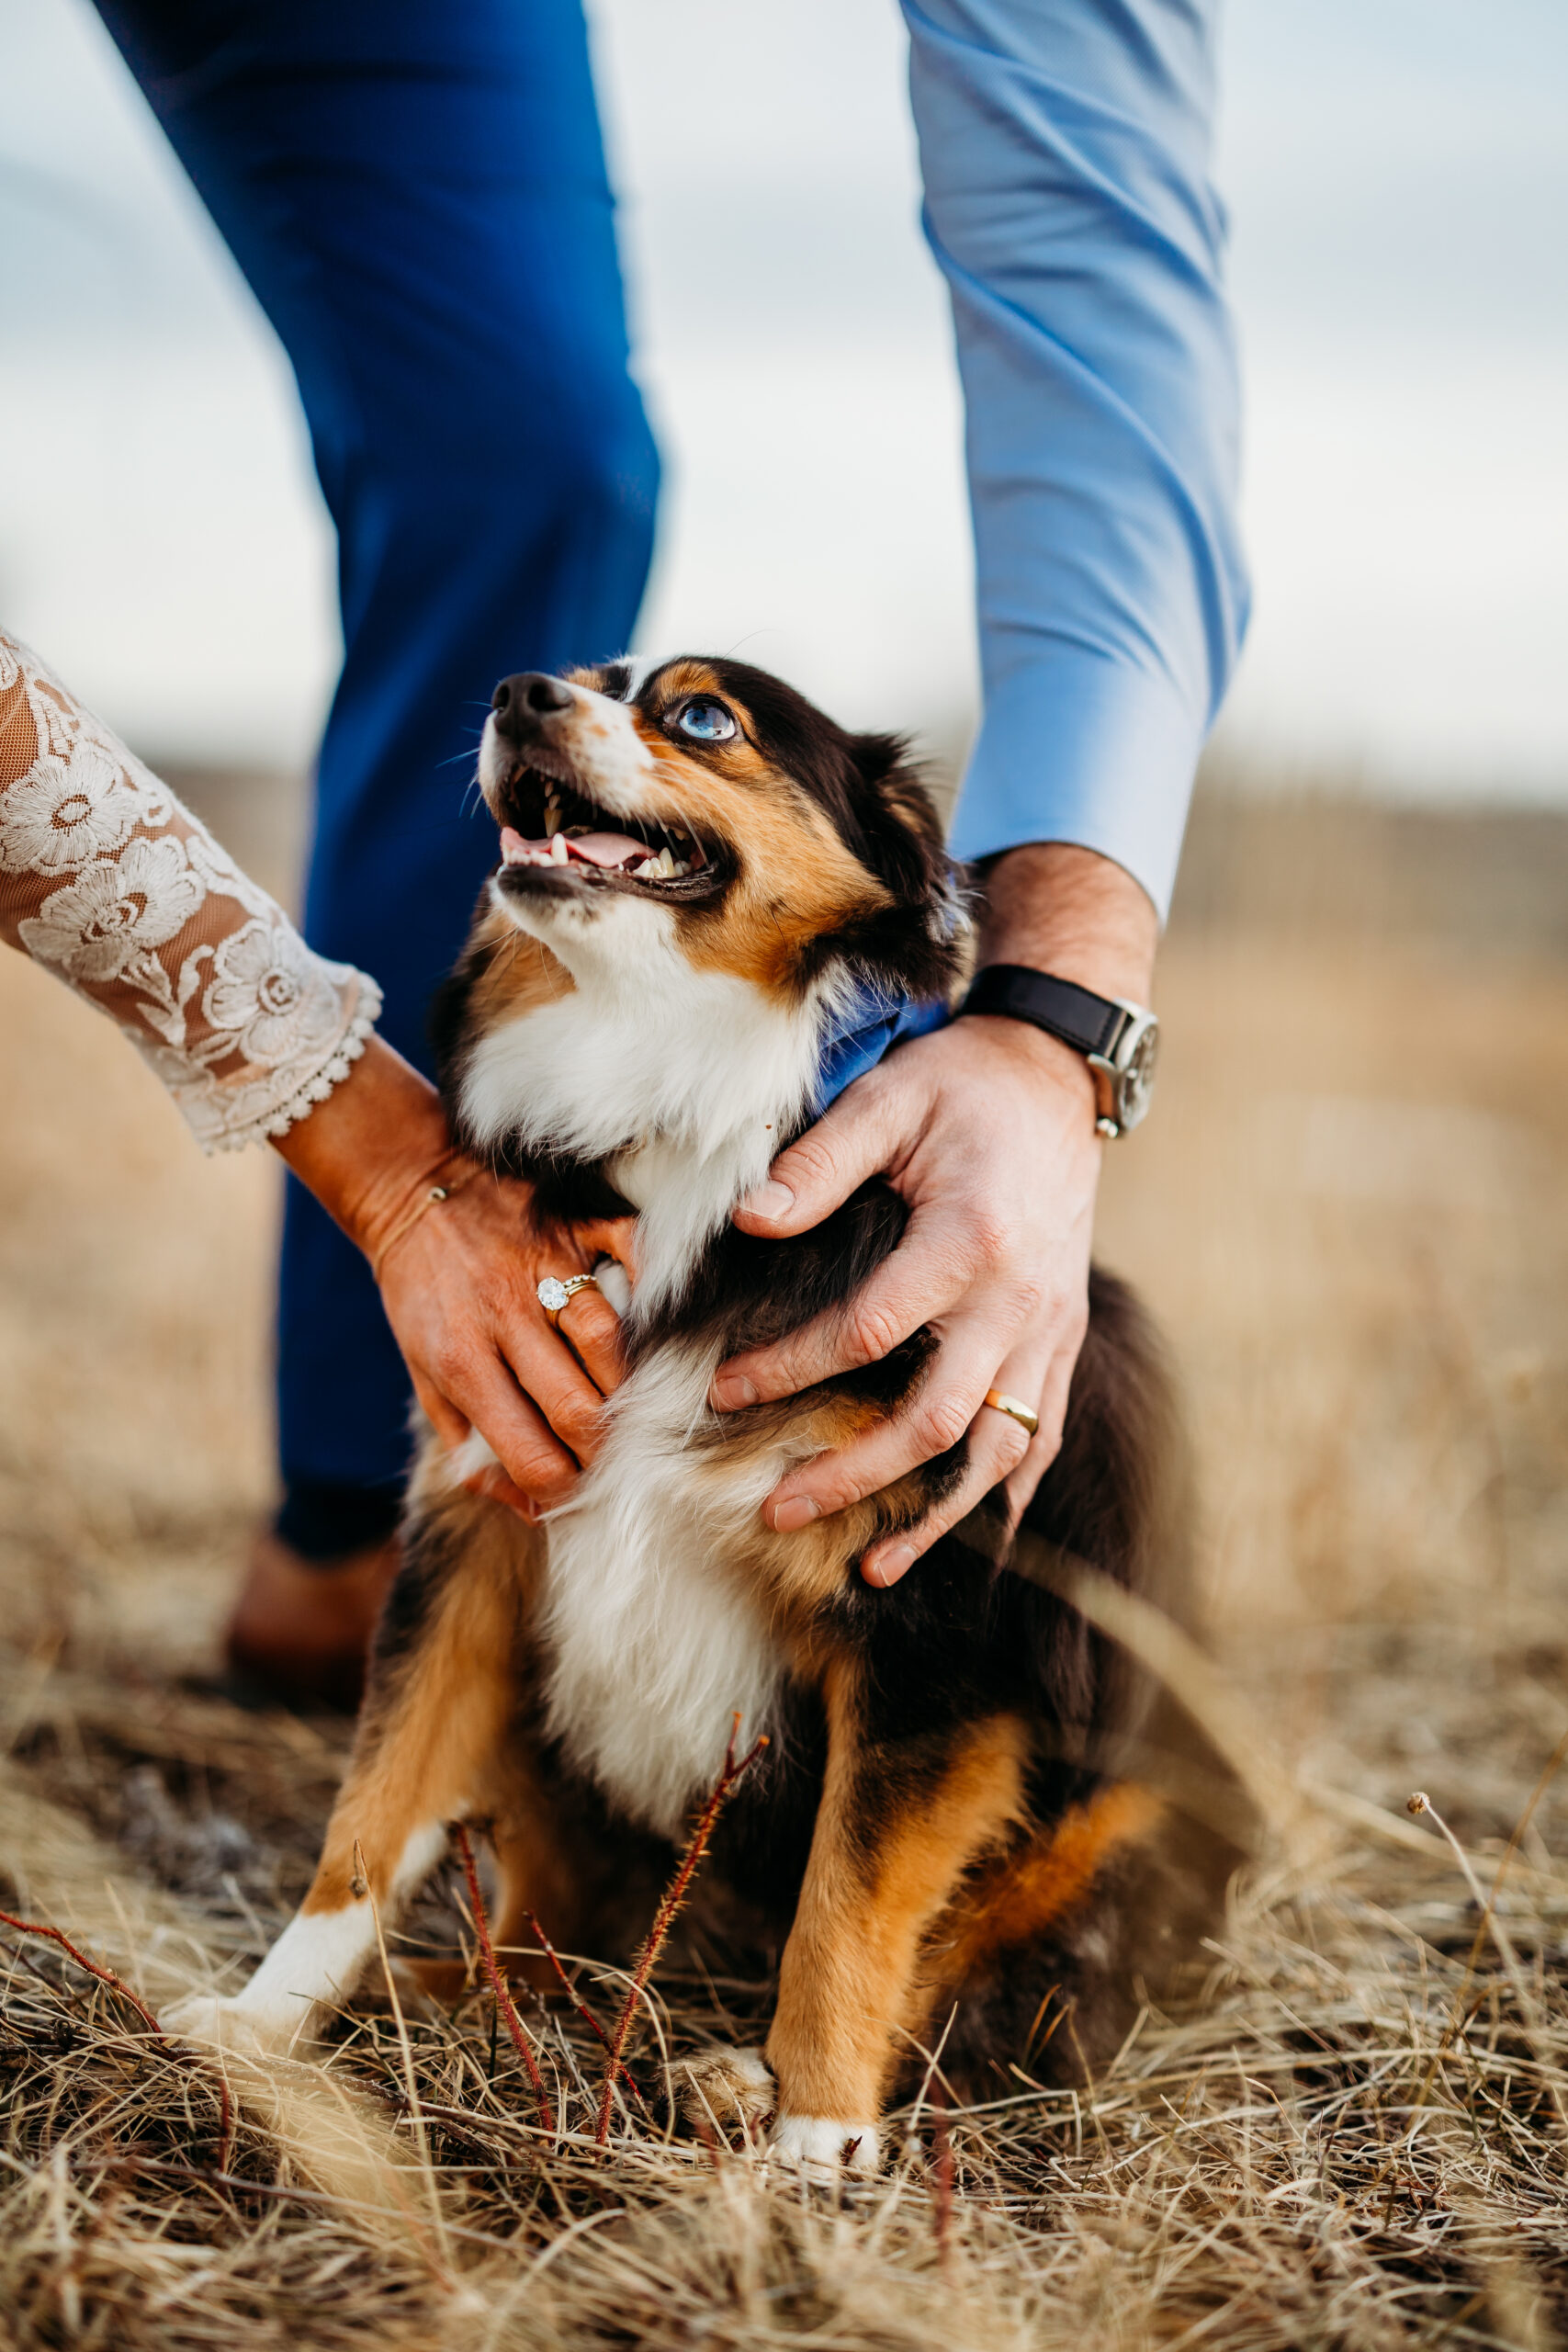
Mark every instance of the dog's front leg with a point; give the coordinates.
(901, 1819)
(429, 1750)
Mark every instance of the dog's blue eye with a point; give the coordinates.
(706, 721)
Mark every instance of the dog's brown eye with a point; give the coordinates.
(705, 721)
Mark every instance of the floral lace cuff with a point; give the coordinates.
(105, 877)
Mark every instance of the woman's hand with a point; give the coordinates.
(458, 1279)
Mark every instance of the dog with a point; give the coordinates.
(701, 874)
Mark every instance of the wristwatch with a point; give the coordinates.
(1119, 1041)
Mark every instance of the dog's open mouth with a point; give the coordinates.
(546, 822)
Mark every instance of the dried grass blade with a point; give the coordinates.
(675, 1894)
(1530, 2011)
(498, 1983)
(405, 2046)
(581, 2008)
(93, 1968)
(106, 1977)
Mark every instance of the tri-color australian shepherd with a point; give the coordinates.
(961, 1829)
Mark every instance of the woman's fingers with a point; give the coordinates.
(592, 1329)
(609, 1236)
(493, 1484)
(549, 1375)
(518, 1432)
(470, 1390)
(450, 1426)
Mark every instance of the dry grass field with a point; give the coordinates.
(1351, 1213)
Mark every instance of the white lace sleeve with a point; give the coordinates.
(105, 877)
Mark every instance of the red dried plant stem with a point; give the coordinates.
(941, 2171)
(498, 1983)
(118, 1985)
(664, 1918)
(581, 2006)
(93, 1968)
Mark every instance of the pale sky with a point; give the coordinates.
(1397, 175)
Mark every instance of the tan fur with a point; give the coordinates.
(850, 1979)
(432, 1744)
(802, 1571)
(796, 879)
(1036, 1888)
(519, 971)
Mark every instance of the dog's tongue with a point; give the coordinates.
(606, 849)
(594, 849)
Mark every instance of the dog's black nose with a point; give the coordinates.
(520, 703)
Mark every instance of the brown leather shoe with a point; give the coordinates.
(301, 1629)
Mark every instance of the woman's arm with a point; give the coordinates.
(108, 879)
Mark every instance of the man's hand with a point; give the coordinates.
(986, 1130)
(458, 1280)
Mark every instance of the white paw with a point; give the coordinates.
(822, 2149)
(731, 2088)
(235, 2024)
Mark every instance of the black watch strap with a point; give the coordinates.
(1090, 1023)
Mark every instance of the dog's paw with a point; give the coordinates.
(233, 2024)
(731, 2088)
(821, 2149)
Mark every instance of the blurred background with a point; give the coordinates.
(1349, 1208)
(1397, 173)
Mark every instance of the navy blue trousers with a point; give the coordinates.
(416, 191)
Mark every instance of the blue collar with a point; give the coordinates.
(857, 1037)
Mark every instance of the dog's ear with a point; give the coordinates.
(898, 818)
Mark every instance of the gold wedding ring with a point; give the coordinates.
(1015, 1410)
(552, 1293)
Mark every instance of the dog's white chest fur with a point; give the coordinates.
(684, 1079)
(653, 1644)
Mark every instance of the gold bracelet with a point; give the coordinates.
(463, 1173)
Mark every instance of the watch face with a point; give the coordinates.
(1135, 1075)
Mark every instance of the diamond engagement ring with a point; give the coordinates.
(552, 1293)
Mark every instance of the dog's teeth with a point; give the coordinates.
(552, 815)
(666, 865)
(648, 871)
(559, 851)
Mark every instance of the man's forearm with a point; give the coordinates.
(1068, 911)
(1065, 145)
